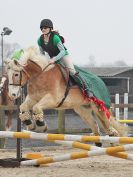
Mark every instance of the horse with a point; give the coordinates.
(46, 88)
(5, 100)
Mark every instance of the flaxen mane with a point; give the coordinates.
(34, 54)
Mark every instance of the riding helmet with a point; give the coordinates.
(46, 23)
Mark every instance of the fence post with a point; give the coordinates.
(61, 121)
(2, 127)
(117, 110)
(125, 109)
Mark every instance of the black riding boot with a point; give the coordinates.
(82, 84)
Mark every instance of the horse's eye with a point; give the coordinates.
(16, 75)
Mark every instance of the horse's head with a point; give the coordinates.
(14, 69)
(20, 71)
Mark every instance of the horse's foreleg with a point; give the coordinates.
(25, 114)
(46, 102)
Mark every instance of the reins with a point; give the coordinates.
(27, 74)
(46, 67)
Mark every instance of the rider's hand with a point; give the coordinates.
(51, 62)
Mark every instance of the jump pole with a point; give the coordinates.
(78, 155)
(15, 162)
(65, 137)
(126, 121)
(75, 144)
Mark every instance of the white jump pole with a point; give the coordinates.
(88, 147)
(78, 155)
(66, 137)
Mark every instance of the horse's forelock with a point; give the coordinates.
(14, 65)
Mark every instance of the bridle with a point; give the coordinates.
(27, 74)
(20, 80)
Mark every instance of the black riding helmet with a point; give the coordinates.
(46, 23)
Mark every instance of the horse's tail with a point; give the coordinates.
(122, 130)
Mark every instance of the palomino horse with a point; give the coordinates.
(46, 88)
(5, 100)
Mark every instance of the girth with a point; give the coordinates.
(69, 82)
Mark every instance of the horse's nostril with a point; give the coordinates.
(13, 94)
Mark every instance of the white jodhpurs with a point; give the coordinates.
(67, 62)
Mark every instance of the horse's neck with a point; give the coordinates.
(32, 69)
(51, 78)
(55, 75)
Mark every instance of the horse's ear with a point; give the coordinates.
(7, 61)
(17, 65)
(15, 62)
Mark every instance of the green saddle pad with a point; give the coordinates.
(96, 86)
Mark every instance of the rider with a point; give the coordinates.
(51, 43)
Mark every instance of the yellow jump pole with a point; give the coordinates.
(78, 155)
(75, 144)
(67, 137)
(126, 121)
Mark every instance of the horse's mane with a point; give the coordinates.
(33, 54)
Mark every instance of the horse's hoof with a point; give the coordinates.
(40, 126)
(41, 129)
(98, 144)
(30, 124)
(113, 132)
(114, 144)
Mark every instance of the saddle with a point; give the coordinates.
(70, 82)
(67, 77)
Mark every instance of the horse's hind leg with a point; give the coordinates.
(105, 122)
(86, 115)
(111, 126)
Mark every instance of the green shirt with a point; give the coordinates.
(57, 43)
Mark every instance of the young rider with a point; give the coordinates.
(51, 43)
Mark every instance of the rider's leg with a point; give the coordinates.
(66, 60)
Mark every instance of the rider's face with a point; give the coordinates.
(45, 30)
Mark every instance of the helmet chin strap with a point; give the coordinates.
(49, 32)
